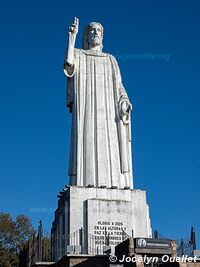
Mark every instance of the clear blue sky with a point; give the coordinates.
(164, 90)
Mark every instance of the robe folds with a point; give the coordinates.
(100, 149)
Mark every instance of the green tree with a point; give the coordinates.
(23, 230)
(46, 247)
(13, 234)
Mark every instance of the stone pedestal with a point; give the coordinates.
(92, 220)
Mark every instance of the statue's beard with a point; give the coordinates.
(96, 41)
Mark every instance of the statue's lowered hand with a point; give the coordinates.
(126, 107)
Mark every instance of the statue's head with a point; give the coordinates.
(93, 36)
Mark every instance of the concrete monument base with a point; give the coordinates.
(91, 220)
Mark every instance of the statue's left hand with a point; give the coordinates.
(126, 107)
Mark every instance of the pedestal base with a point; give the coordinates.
(92, 220)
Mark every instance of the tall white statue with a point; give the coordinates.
(100, 153)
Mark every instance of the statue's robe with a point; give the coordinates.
(100, 153)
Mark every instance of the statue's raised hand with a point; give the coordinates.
(73, 30)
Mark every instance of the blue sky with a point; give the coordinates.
(157, 46)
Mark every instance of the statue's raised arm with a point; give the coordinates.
(72, 32)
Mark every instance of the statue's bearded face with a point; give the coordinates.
(95, 35)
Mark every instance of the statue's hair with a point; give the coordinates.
(85, 44)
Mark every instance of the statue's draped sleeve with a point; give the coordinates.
(124, 128)
(121, 91)
(69, 71)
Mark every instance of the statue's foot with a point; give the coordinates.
(126, 187)
(103, 186)
(90, 185)
(114, 187)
